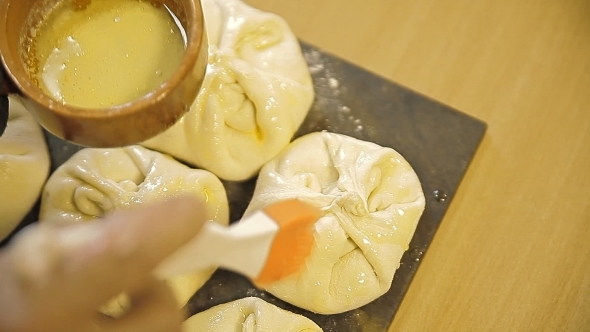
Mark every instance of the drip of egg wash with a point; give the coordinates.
(107, 53)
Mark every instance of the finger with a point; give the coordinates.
(82, 266)
(153, 309)
(131, 245)
(30, 299)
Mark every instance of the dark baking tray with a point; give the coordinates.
(438, 141)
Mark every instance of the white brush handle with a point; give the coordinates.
(242, 247)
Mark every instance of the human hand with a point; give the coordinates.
(54, 278)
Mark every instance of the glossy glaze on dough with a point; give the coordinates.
(256, 93)
(371, 201)
(24, 166)
(249, 314)
(96, 182)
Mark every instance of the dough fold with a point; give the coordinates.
(371, 201)
(255, 95)
(249, 314)
(24, 166)
(96, 182)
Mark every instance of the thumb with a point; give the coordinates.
(84, 265)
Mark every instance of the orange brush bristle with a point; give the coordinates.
(293, 242)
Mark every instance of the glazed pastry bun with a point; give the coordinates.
(249, 314)
(96, 182)
(256, 93)
(24, 166)
(371, 200)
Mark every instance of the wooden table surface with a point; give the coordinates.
(513, 251)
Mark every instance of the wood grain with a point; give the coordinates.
(513, 252)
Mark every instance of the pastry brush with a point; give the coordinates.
(267, 246)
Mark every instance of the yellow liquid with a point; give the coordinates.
(109, 53)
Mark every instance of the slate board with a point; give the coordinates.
(438, 141)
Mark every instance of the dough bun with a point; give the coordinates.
(96, 182)
(371, 201)
(24, 166)
(249, 314)
(255, 95)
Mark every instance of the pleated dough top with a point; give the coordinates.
(256, 93)
(249, 314)
(371, 200)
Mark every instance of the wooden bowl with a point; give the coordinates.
(114, 126)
